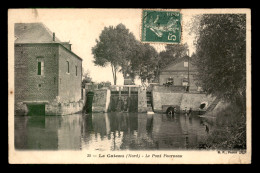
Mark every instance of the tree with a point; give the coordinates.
(115, 47)
(221, 56)
(171, 53)
(147, 62)
(86, 78)
(144, 63)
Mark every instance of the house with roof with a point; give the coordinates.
(172, 90)
(48, 73)
(180, 73)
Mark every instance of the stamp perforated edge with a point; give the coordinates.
(161, 9)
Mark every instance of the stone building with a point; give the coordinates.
(172, 89)
(179, 73)
(48, 74)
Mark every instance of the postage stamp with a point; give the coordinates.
(161, 26)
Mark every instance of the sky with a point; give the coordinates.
(83, 26)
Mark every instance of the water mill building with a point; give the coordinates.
(48, 74)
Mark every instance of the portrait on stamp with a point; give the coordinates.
(161, 26)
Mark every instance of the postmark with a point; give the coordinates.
(161, 26)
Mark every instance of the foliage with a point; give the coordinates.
(102, 84)
(86, 78)
(119, 48)
(171, 53)
(229, 131)
(145, 62)
(221, 56)
(116, 46)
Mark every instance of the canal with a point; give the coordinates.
(109, 131)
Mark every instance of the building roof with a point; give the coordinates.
(177, 65)
(27, 33)
(33, 33)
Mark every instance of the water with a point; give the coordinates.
(109, 131)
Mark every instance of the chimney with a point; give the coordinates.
(54, 36)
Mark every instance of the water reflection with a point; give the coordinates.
(108, 131)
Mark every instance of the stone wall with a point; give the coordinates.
(21, 109)
(55, 108)
(142, 100)
(28, 85)
(168, 89)
(69, 83)
(101, 100)
(54, 85)
(193, 101)
(162, 100)
(83, 95)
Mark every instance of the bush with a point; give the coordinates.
(229, 131)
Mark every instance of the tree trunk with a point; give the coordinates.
(114, 73)
(115, 78)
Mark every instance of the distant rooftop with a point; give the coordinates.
(170, 67)
(33, 33)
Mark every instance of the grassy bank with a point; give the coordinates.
(229, 131)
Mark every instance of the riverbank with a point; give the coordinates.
(229, 130)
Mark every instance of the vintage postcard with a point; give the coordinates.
(137, 86)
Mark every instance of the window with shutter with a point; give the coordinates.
(39, 68)
(42, 68)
